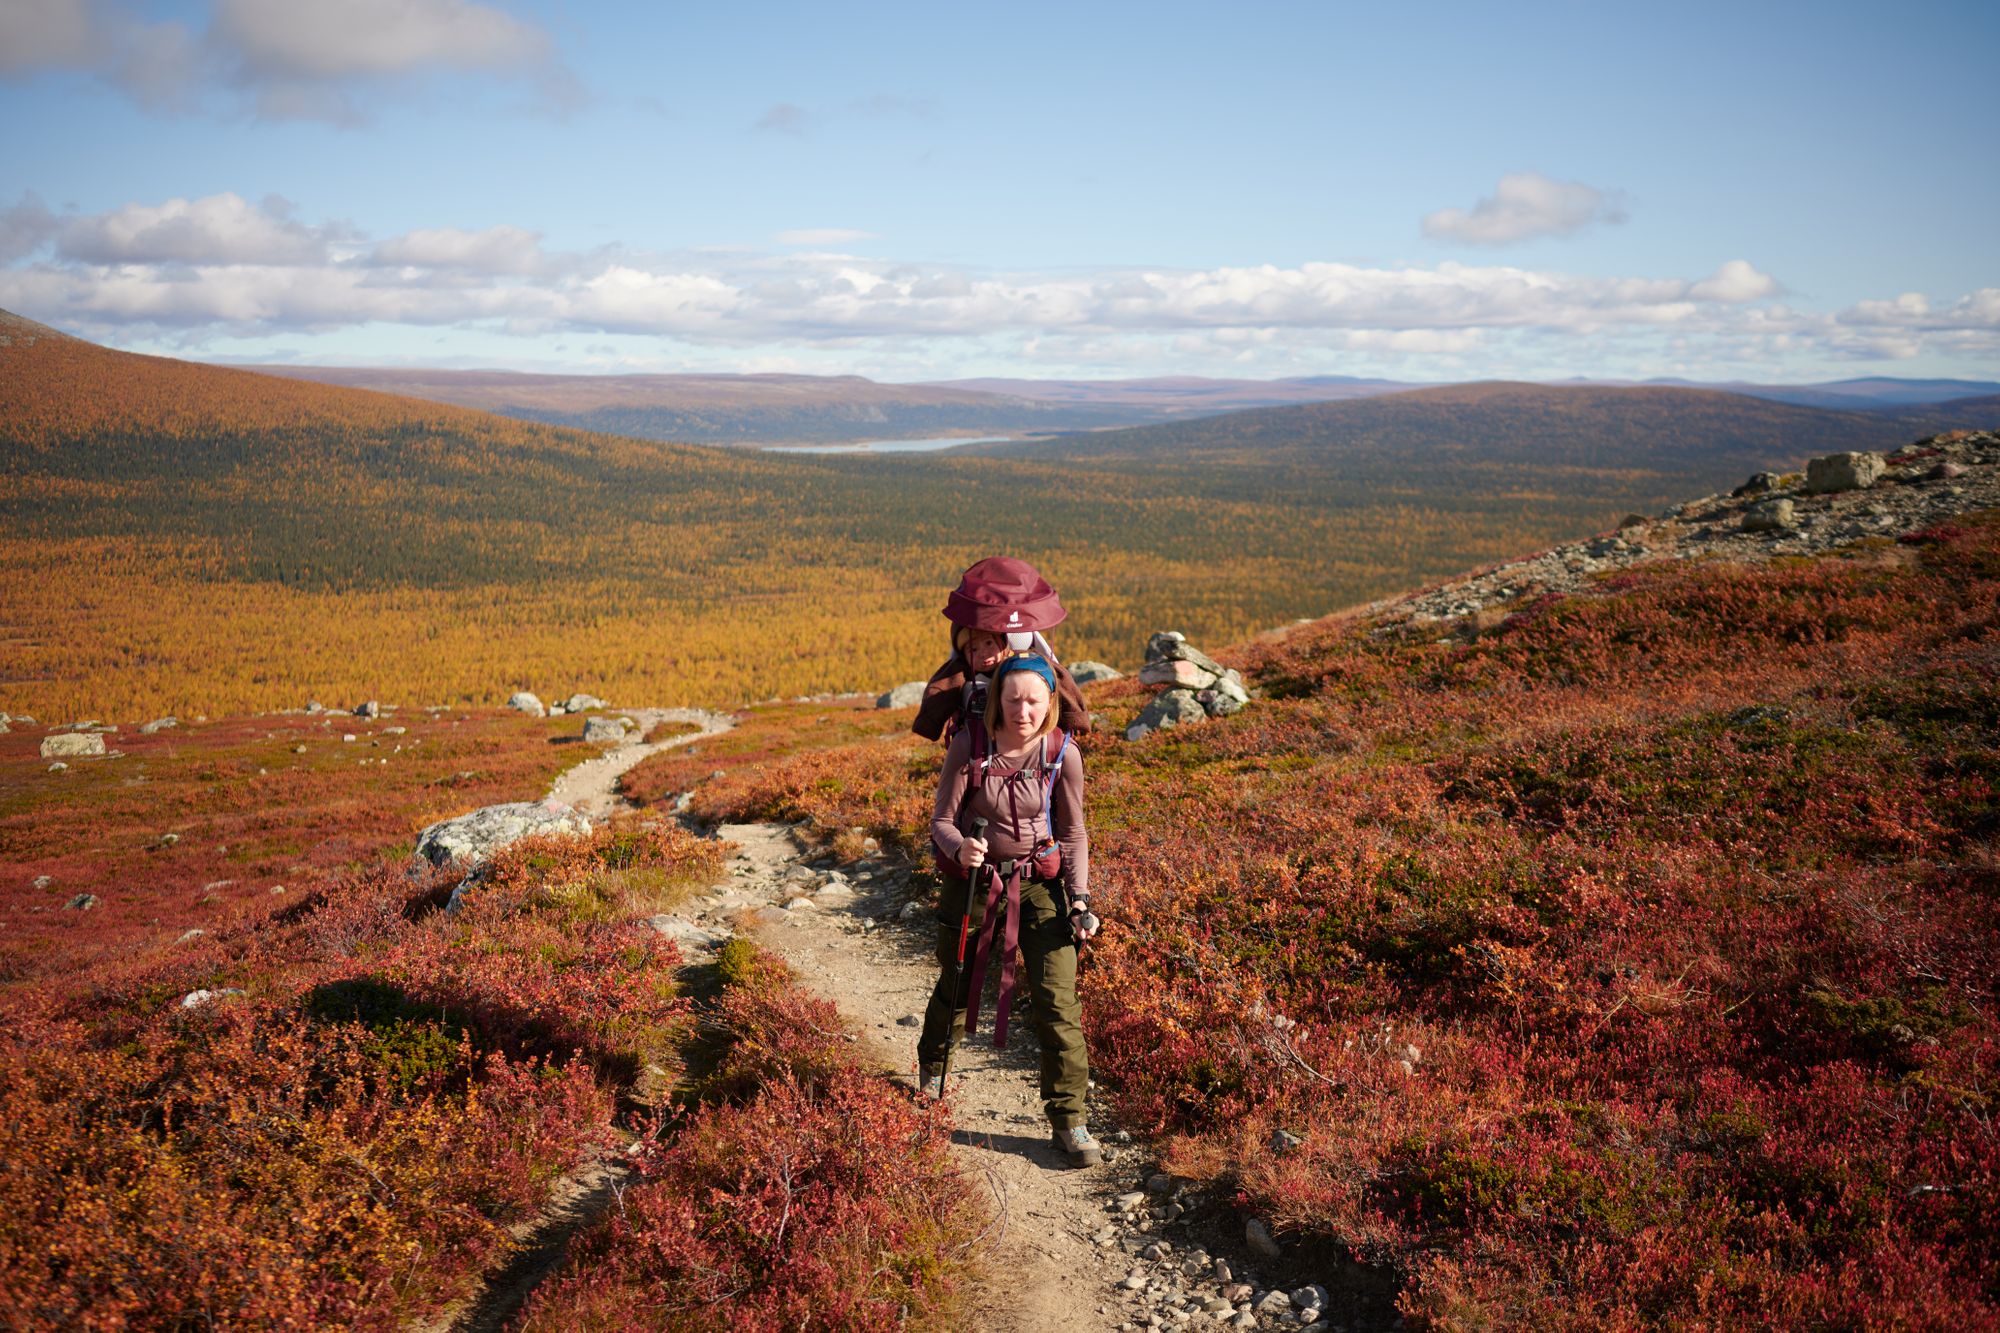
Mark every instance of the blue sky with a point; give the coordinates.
(1775, 192)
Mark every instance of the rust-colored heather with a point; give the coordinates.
(1628, 963)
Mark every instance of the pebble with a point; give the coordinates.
(910, 1021)
(1128, 1201)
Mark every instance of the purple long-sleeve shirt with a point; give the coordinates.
(1010, 797)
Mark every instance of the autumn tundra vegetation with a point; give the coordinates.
(1614, 959)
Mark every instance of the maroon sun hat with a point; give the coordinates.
(1003, 595)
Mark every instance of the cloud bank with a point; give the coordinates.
(1524, 206)
(222, 266)
(281, 59)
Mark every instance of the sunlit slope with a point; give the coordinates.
(184, 537)
(1497, 429)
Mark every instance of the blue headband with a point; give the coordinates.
(1035, 664)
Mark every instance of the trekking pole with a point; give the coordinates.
(958, 968)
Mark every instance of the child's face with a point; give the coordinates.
(983, 650)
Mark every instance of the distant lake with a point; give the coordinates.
(883, 446)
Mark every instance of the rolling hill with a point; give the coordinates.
(1699, 434)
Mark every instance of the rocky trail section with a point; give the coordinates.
(1112, 1247)
(1840, 499)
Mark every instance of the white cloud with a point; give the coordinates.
(493, 250)
(1525, 205)
(220, 267)
(1735, 281)
(824, 236)
(44, 33)
(323, 60)
(220, 229)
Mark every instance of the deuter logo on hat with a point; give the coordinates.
(1013, 617)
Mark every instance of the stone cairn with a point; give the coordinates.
(1197, 686)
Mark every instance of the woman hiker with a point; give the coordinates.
(1009, 832)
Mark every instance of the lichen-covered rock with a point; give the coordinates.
(582, 703)
(1770, 516)
(157, 725)
(907, 695)
(1169, 708)
(1177, 673)
(72, 745)
(527, 703)
(604, 730)
(1844, 472)
(1086, 671)
(475, 837)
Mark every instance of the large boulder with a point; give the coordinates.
(604, 730)
(369, 709)
(1179, 673)
(528, 703)
(1844, 472)
(907, 695)
(475, 837)
(157, 725)
(582, 703)
(1770, 516)
(72, 745)
(1169, 708)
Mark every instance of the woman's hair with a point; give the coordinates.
(1035, 668)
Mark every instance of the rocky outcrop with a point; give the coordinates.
(473, 839)
(527, 703)
(1196, 685)
(1916, 487)
(72, 745)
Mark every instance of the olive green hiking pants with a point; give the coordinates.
(1057, 1015)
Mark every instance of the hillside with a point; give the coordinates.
(1174, 396)
(1621, 957)
(1694, 433)
(185, 538)
(726, 409)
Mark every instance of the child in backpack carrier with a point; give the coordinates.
(999, 609)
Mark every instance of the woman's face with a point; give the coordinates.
(1024, 702)
(983, 650)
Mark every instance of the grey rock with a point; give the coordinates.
(1222, 1271)
(475, 837)
(910, 1021)
(45, 881)
(190, 936)
(195, 999)
(1844, 472)
(1274, 1303)
(1312, 1297)
(582, 703)
(1165, 644)
(1178, 673)
(1237, 1291)
(1159, 1183)
(1218, 703)
(1169, 708)
(525, 702)
(911, 911)
(72, 745)
(83, 902)
(1087, 671)
(58, 767)
(686, 933)
(1258, 1237)
(604, 730)
(369, 709)
(158, 725)
(1284, 1141)
(315, 706)
(907, 695)
(1759, 484)
(1945, 471)
(1770, 516)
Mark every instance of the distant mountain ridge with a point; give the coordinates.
(1699, 433)
(805, 409)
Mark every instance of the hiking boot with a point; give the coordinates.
(1081, 1148)
(930, 1084)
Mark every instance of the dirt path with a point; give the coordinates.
(1052, 1262)
(592, 786)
